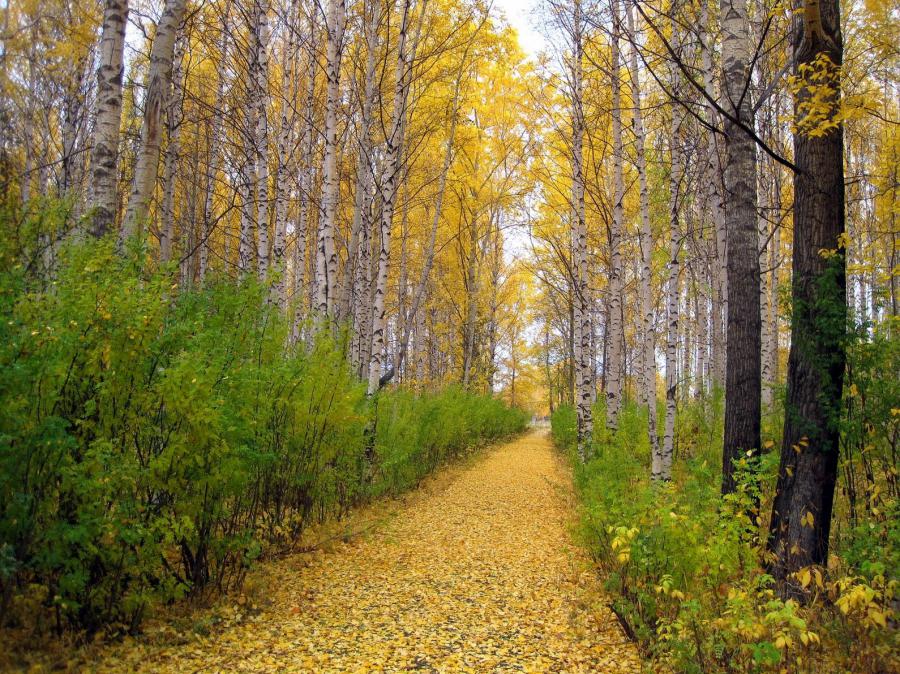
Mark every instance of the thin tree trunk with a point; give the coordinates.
(261, 134)
(616, 333)
(351, 287)
(159, 80)
(648, 347)
(662, 469)
(285, 162)
(215, 155)
(326, 255)
(173, 120)
(392, 172)
(581, 310)
(105, 150)
(419, 293)
(714, 201)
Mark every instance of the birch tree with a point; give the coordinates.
(393, 156)
(159, 80)
(105, 141)
(616, 355)
(581, 290)
(648, 345)
(326, 253)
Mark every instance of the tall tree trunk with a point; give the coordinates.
(159, 80)
(392, 171)
(285, 161)
(105, 150)
(303, 228)
(581, 310)
(662, 469)
(616, 333)
(743, 391)
(351, 287)
(215, 155)
(804, 497)
(648, 334)
(173, 123)
(326, 256)
(714, 202)
(261, 134)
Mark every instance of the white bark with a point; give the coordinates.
(285, 127)
(105, 150)
(584, 379)
(393, 157)
(715, 204)
(215, 155)
(326, 252)
(261, 133)
(159, 79)
(174, 117)
(615, 365)
(648, 334)
(352, 285)
(661, 468)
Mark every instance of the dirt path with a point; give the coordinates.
(476, 575)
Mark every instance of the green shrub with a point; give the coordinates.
(153, 440)
(564, 428)
(686, 569)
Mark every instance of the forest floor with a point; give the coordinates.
(474, 572)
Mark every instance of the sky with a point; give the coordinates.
(520, 14)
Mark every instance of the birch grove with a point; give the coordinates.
(675, 222)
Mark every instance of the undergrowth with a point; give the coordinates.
(156, 440)
(686, 570)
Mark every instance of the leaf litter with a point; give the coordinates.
(474, 573)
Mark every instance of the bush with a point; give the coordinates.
(686, 569)
(153, 440)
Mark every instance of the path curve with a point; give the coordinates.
(477, 575)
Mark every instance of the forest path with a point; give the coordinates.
(476, 575)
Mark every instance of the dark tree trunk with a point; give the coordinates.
(743, 389)
(801, 514)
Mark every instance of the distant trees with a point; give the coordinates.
(288, 142)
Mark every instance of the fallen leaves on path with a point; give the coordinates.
(479, 575)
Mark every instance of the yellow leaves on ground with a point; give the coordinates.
(477, 576)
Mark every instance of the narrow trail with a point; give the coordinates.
(477, 575)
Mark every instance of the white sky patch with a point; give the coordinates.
(522, 16)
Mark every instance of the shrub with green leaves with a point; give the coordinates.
(686, 568)
(153, 440)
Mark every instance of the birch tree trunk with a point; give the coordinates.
(326, 252)
(648, 334)
(614, 366)
(159, 80)
(581, 323)
(393, 155)
(105, 150)
(661, 466)
(261, 134)
(173, 120)
(352, 285)
(285, 162)
(302, 228)
(215, 155)
(714, 200)
(742, 377)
